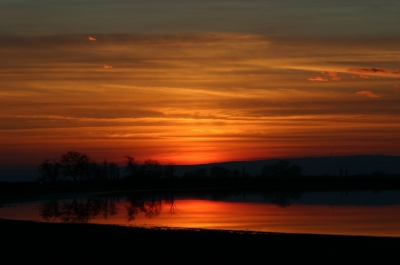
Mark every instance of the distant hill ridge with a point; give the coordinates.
(315, 166)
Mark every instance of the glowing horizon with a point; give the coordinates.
(200, 91)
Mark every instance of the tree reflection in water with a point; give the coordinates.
(50, 210)
(172, 207)
(151, 206)
(84, 209)
(78, 210)
(281, 199)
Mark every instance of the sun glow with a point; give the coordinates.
(246, 97)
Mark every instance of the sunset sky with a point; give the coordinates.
(198, 81)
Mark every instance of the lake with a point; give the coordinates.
(340, 213)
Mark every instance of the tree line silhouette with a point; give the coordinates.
(77, 166)
(280, 169)
(150, 168)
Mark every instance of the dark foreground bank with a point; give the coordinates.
(88, 243)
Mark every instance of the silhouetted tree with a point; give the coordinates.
(152, 168)
(113, 170)
(281, 169)
(96, 170)
(85, 167)
(50, 170)
(132, 167)
(75, 164)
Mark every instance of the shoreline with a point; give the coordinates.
(197, 229)
(94, 242)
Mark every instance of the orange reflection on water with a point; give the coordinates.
(198, 213)
(313, 219)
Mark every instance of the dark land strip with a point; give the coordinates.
(27, 190)
(62, 243)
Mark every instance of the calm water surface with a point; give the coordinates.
(352, 213)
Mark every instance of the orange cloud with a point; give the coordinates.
(333, 75)
(368, 94)
(373, 71)
(92, 39)
(107, 66)
(318, 79)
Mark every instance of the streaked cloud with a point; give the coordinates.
(369, 94)
(92, 39)
(331, 74)
(186, 96)
(317, 79)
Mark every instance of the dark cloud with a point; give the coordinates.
(372, 71)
